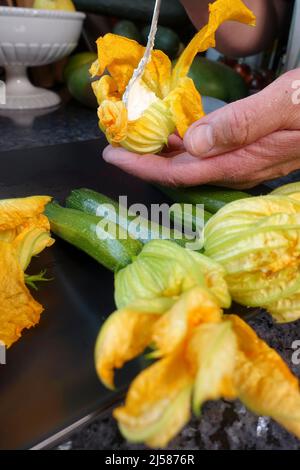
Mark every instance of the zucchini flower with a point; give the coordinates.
(164, 99)
(24, 232)
(153, 284)
(292, 190)
(257, 241)
(199, 353)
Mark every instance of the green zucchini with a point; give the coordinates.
(182, 213)
(128, 30)
(109, 244)
(166, 40)
(218, 80)
(98, 204)
(211, 197)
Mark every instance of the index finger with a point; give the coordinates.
(180, 170)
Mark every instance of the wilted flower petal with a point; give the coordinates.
(123, 336)
(18, 309)
(158, 402)
(106, 89)
(24, 232)
(185, 105)
(15, 212)
(213, 349)
(263, 381)
(193, 308)
(219, 12)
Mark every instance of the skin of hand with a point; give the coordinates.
(239, 146)
(272, 18)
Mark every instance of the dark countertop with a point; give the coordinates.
(67, 123)
(223, 425)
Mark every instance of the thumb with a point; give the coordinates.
(242, 122)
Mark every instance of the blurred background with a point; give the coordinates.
(221, 77)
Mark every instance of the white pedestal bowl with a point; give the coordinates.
(30, 37)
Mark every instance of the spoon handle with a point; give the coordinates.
(139, 71)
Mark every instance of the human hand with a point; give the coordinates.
(239, 146)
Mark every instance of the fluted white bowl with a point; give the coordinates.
(30, 37)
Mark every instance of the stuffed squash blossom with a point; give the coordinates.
(164, 99)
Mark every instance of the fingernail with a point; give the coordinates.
(200, 140)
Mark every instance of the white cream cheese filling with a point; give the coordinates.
(139, 99)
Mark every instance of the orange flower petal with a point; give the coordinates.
(219, 12)
(39, 221)
(185, 105)
(113, 120)
(18, 310)
(106, 89)
(30, 242)
(8, 235)
(14, 212)
(212, 349)
(158, 402)
(192, 308)
(263, 381)
(157, 75)
(124, 335)
(120, 56)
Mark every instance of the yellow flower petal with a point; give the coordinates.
(214, 277)
(18, 310)
(158, 402)
(30, 242)
(14, 212)
(259, 289)
(113, 120)
(185, 105)
(219, 12)
(238, 216)
(192, 308)
(124, 335)
(292, 190)
(8, 235)
(149, 133)
(157, 75)
(106, 89)
(120, 56)
(94, 69)
(213, 349)
(286, 310)
(175, 418)
(263, 381)
(39, 222)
